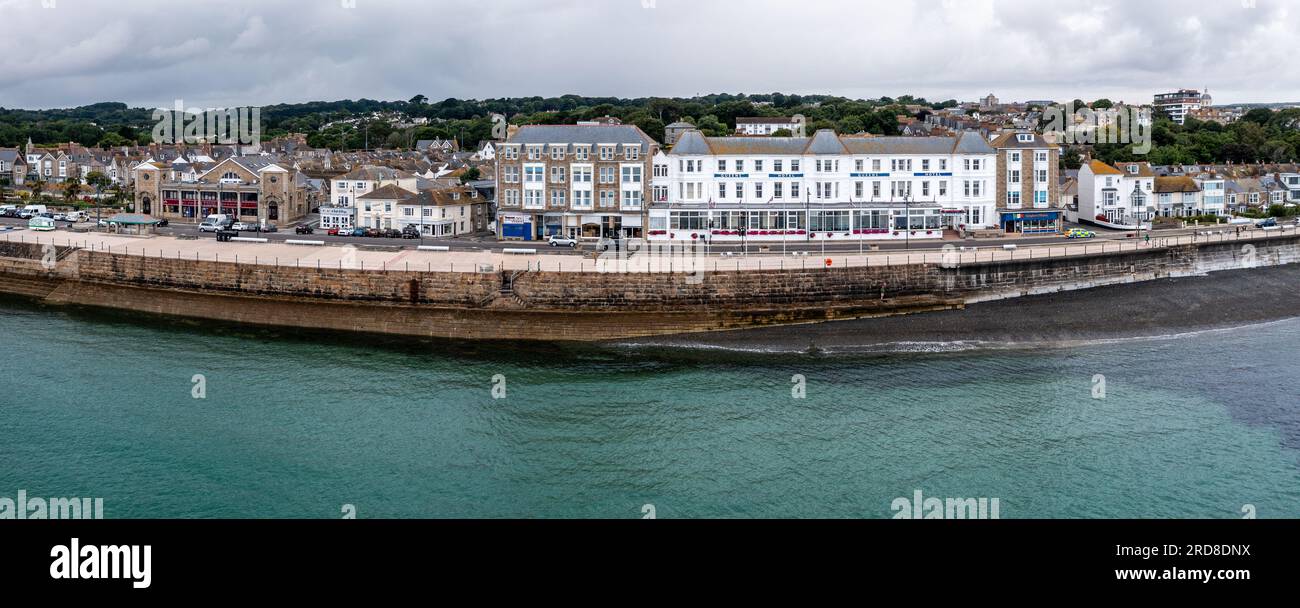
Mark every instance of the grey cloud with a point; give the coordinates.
(255, 52)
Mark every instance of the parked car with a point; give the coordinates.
(370, 232)
(204, 227)
(333, 232)
(392, 233)
(562, 241)
(1266, 223)
(268, 227)
(304, 229)
(1079, 233)
(25, 215)
(163, 223)
(410, 232)
(242, 227)
(358, 232)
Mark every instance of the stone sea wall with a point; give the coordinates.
(576, 306)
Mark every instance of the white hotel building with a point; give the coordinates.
(822, 187)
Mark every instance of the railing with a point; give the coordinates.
(653, 258)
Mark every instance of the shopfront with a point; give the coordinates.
(1030, 222)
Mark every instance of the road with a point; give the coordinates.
(488, 243)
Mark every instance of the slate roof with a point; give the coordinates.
(694, 143)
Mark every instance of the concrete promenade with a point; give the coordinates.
(657, 259)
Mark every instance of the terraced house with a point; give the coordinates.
(588, 181)
(823, 187)
(251, 188)
(1028, 197)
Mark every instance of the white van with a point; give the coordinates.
(36, 209)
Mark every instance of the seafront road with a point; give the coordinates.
(654, 259)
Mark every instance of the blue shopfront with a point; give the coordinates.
(1030, 222)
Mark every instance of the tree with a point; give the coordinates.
(37, 187)
(1103, 104)
(470, 175)
(72, 189)
(418, 100)
(99, 182)
(783, 133)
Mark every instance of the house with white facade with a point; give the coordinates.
(1177, 196)
(1122, 194)
(1214, 199)
(347, 190)
(765, 125)
(822, 187)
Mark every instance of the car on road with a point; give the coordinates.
(303, 230)
(25, 214)
(1080, 233)
(1266, 223)
(562, 241)
(243, 227)
(212, 227)
(357, 232)
(268, 227)
(333, 232)
(410, 232)
(163, 223)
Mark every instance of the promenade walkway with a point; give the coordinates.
(655, 259)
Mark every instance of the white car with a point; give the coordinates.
(243, 227)
(562, 241)
(208, 227)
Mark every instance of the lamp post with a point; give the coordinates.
(907, 221)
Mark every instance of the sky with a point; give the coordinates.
(227, 53)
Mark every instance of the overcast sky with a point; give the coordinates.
(216, 53)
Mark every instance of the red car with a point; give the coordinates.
(333, 232)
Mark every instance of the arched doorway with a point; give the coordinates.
(273, 210)
(146, 205)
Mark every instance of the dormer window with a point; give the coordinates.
(1025, 138)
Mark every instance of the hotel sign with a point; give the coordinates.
(784, 175)
(868, 175)
(730, 175)
(948, 174)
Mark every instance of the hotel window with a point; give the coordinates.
(722, 165)
(582, 198)
(510, 175)
(758, 165)
(794, 190)
(875, 165)
(582, 175)
(557, 153)
(607, 198)
(943, 188)
(776, 190)
(533, 198)
(943, 164)
(606, 175)
(534, 152)
(925, 189)
(557, 175)
(581, 153)
(794, 166)
(740, 165)
(512, 198)
(632, 152)
(758, 191)
(858, 165)
(533, 174)
(777, 165)
(557, 198)
(740, 190)
(631, 175)
(606, 153)
(858, 189)
(925, 164)
(722, 190)
(632, 198)
(875, 189)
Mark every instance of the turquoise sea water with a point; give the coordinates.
(298, 426)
